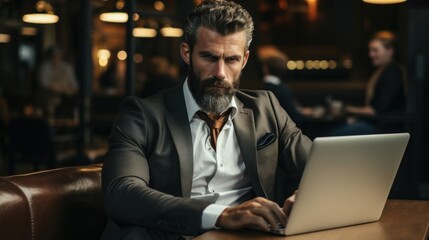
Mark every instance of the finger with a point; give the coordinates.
(260, 214)
(277, 210)
(247, 219)
(258, 223)
(280, 215)
(243, 216)
(271, 212)
(287, 207)
(267, 215)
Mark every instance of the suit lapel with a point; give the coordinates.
(178, 124)
(244, 126)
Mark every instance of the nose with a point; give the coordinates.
(220, 70)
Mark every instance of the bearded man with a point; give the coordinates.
(203, 155)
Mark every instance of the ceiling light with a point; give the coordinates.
(171, 32)
(159, 5)
(120, 4)
(117, 15)
(291, 65)
(138, 58)
(103, 57)
(300, 65)
(44, 14)
(384, 1)
(4, 38)
(136, 16)
(144, 32)
(103, 53)
(122, 55)
(324, 64)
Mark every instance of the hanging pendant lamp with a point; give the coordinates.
(44, 14)
(384, 1)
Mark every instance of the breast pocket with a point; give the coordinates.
(265, 141)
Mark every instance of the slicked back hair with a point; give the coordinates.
(224, 17)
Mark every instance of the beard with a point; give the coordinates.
(212, 94)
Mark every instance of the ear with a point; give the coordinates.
(185, 52)
(246, 57)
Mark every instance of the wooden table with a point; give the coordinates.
(401, 219)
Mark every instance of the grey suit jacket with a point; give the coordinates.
(147, 175)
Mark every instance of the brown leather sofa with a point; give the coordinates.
(63, 203)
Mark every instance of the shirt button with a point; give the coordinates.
(221, 164)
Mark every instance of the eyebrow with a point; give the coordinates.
(201, 53)
(208, 53)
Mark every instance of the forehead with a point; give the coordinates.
(375, 44)
(212, 41)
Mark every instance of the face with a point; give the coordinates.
(379, 54)
(215, 65)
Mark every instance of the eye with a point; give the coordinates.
(233, 59)
(209, 57)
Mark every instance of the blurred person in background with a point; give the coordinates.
(385, 91)
(57, 79)
(274, 70)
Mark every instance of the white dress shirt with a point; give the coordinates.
(61, 75)
(272, 79)
(219, 175)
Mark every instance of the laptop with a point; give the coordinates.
(346, 182)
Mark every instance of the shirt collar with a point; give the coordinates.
(192, 106)
(272, 79)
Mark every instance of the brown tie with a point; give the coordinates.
(215, 125)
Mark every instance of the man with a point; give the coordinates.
(168, 175)
(56, 79)
(274, 70)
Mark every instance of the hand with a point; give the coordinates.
(288, 204)
(258, 213)
(365, 110)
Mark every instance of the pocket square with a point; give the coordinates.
(266, 140)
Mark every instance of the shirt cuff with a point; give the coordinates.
(210, 215)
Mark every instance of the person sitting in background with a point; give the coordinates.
(56, 79)
(274, 70)
(385, 91)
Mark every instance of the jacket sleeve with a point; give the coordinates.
(129, 199)
(294, 146)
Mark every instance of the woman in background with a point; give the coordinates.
(385, 91)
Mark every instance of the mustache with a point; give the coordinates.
(215, 82)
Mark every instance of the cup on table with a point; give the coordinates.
(336, 108)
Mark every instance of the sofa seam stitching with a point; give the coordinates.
(29, 207)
